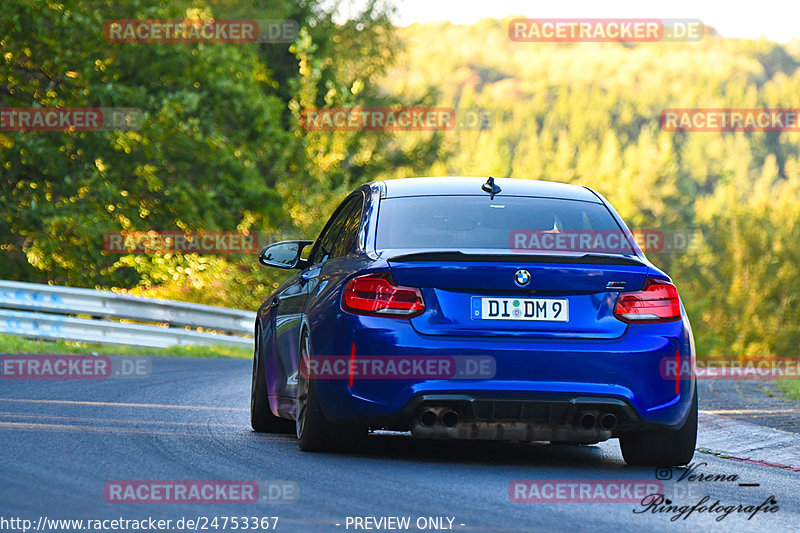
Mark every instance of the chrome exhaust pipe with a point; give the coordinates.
(608, 421)
(450, 418)
(427, 418)
(587, 421)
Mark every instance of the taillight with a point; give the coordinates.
(657, 302)
(377, 294)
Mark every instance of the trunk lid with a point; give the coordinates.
(461, 290)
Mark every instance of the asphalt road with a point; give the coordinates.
(62, 441)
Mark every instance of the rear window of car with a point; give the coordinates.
(503, 223)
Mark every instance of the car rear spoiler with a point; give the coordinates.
(486, 256)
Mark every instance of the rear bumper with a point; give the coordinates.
(541, 386)
(524, 417)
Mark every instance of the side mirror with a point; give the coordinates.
(284, 254)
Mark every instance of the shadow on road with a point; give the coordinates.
(405, 448)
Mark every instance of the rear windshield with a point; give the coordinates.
(519, 224)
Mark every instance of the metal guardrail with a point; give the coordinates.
(42, 311)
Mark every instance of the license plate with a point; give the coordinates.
(545, 309)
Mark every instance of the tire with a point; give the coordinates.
(314, 432)
(261, 418)
(662, 448)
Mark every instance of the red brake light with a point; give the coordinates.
(377, 294)
(657, 302)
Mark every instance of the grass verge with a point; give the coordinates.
(16, 344)
(790, 387)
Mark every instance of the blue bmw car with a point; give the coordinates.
(467, 308)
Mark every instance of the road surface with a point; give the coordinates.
(64, 442)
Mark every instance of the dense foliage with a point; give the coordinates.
(588, 114)
(220, 147)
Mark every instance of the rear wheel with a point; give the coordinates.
(261, 418)
(314, 432)
(662, 448)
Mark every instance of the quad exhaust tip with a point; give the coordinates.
(587, 421)
(605, 421)
(450, 418)
(427, 418)
(608, 421)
